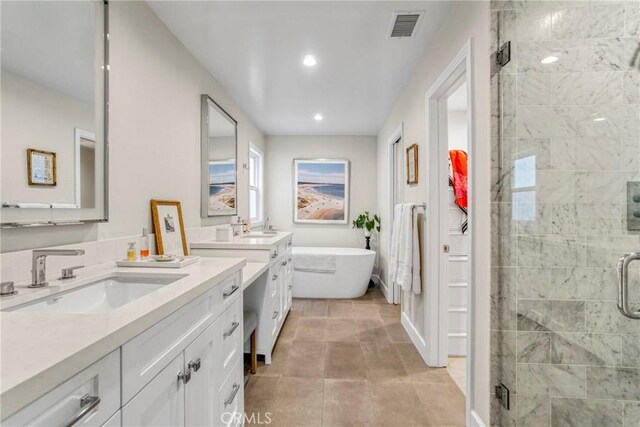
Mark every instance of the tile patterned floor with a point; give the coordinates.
(458, 370)
(350, 363)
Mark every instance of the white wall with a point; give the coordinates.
(38, 117)
(457, 130)
(279, 155)
(154, 143)
(467, 20)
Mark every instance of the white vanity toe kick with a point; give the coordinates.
(42, 350)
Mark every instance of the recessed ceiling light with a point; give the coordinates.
(317, 117)
(309, 60)
(599, 119)
(549, 59)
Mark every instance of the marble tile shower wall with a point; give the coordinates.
(565, 141)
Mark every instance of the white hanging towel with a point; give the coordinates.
(395, 242)
(408, 275)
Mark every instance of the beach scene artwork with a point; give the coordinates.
(322, 191)
(222, 186)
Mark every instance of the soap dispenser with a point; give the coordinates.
(131, 252)
(144, 244)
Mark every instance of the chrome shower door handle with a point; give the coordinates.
(623, 285)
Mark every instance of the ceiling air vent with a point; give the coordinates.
(404, 24)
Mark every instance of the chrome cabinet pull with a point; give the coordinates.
(623, 285)
(232, 396)
(290, 287)
(87, 404)
(275, 254)
(275, 314)
(230, 292)
(275, 276)
(284, 263)
(185, 376)
(231, 329)
(195, 365)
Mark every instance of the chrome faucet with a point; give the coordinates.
(265, 225)
(39, 267)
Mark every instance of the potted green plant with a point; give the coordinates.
(367, 224)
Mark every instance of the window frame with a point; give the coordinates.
(256, 153)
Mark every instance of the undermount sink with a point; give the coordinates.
(100, 296)
(259, 234)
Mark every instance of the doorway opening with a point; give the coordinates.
(448, 263)
(391, 291)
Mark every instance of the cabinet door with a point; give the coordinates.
(283, 290)
(161, 402)
(274, 275)
(202, 357)
(289, 279)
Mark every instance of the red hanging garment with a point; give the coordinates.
(459, 180)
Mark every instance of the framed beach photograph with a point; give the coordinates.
(169, 227)
(412, 164)
(321, 191)
(41, 168)
(222, 187)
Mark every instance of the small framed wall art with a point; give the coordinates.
(169, 227)
(41, 168)
(412, 164)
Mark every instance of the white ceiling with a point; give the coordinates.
(51, 43)
(255, 50)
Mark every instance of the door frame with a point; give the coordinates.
(391, 291)
(435, 262)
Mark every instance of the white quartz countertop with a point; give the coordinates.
(39, 351)
(240, 242)
(251, 272)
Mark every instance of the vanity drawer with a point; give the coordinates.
(232, 329)
(56, 408)
(274, 253)
(231, 291)
(231, 397)
(147, 354)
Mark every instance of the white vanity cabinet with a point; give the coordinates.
(188, 390)
(271, 300)
(186, 369)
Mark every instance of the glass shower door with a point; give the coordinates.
(565, 180)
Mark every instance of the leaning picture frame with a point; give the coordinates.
(168, 227)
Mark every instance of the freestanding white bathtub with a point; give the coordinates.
(353, 268)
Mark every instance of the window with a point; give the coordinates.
(256, 190)
(524, 189)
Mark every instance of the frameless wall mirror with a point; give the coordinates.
(219, 135)
(54, 72)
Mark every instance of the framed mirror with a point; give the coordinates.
(54, 68)
(219, 135)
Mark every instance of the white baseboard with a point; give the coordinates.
(475, 420)
(416, 339)
(380, 283)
